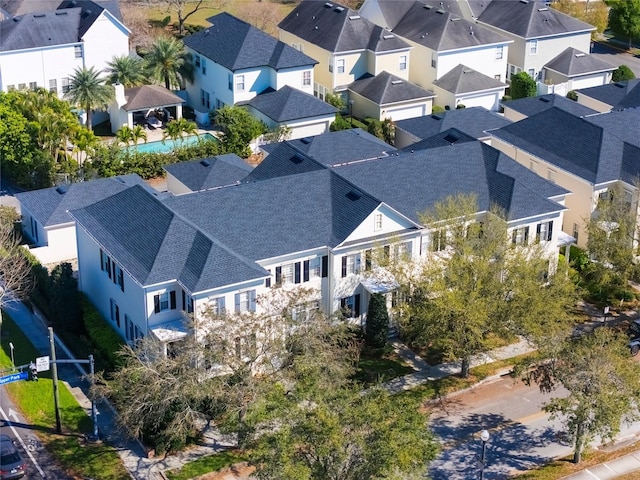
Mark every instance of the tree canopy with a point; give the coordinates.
(239, 129)
(622, 73)
(594, 12)
(88, 91)
(624, 18)
(522, 86)
(167, 61)
(126, 70)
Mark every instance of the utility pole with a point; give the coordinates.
(54, 369)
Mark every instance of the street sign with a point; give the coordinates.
(14, 377)
(42, 364)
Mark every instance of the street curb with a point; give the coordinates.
(485, 381)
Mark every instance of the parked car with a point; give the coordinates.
(12, 465)
(634, 334)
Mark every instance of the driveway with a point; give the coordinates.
(616, 56)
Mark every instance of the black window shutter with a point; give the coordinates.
(514, 235)
(113, 268)
(184, 301)
(296, 272)
(325, 266)
(549, 231)
(108, 266)
(305, 271)
(267, 282)
(344, 266)
(278, 274)
(526, 235)
(121, 280)
(156, 303)
(538, 228)
(118, 315)
(101, 260)
(356, 306)
(367, 260)
(172, 296)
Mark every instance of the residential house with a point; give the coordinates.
(42, 49)
(299, 113)
(346, 45)
(206, 173)
(388, 96)
(540, 34)
(586, 155)
(46, 222)
(133, 106)
(613, 96)
(474, 122)
(516, 110)
(573, 69)
(465, 87)
(234, 61)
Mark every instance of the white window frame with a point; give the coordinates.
(306, 78)
(533, 47)
(53, 85)
(287, 273)
(341, 65)
(499, 52)
(402, 64)
(330, 64)
(216, 305)
(205, 99)
(315, 268)
(77, 51)
(520, 236)
(33, 85)
(354, 263)
(164, 301)
(240, 83)
(377, 222)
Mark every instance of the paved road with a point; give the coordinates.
(616, 57)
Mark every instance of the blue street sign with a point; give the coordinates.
(14, 377)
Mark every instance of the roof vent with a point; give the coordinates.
(440, 11)
(39, 15)
(206, 32)
(305, 140)
(428, 7)
(436, 117)
(578, 55)
(455, 19)
(297, 159)
(544, 99)
(61, 13)
(354, 194)
(61, 189)
(338, 9)
(524, 1)
(354, 17)
(328, 5)
(467, 70)
(205, 162)
(543, 9)
(17, 19)
(121, 180)
(451, 138)
(388, 36)
(620, 85)
(396, 82)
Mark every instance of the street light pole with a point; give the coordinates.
(13, 362)
(351, 102)
(484, 436)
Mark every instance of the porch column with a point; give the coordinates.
(178, 112)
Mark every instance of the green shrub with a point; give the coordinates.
(506, 98)
(165, 21)
(103, 337)
(437, 109)
(622, 73)
(339, 124)
(336, 101)
(375, 128)
(522, 86)
(572, 95)
(65, 310)
(377, 330)
(460, 106)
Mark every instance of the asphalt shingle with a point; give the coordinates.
(532, 105)
(572, 62)
(386, 88)
(288, 104)
(619, 95)
(463, 79)
(211, 172)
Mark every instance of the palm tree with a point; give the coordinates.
(138, 133)
(124, 135)
(126, 70)
(168, 62)
(175, 129)
(87, 90)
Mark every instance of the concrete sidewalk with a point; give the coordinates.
(605, 471)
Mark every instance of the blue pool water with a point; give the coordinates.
(168, 145)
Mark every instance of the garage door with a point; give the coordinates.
(401, 113)
(490, 102)
(308, 130)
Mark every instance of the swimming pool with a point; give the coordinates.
(168, 145)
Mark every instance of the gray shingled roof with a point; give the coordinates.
(274, 217)
(336, 148)
(149, 96)
(572, 62)
(462, 79)
(430, 175)
(573, 144)
(284, 159)
(37, 30)
(336, 28)
(446, 137)
(619, 95)
(473, 121)
(531, 105)
(385, 88)
(24, 7)
(211, 172)
(289, 104)
(49, 206)
(155, 245)
(531, 19)
(90, 13)
(620, 123)
(442, 31)
(236, 45)
(393, 10)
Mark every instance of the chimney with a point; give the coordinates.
(119, 96)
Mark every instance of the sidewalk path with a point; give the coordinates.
(142, 468)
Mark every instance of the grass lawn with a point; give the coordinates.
(373, 368)
(35, 400)
(210, 463)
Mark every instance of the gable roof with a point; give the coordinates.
(289, 104)
(91, 11)
(463, 79)
(236, 45)
(336, 28)
(531, 19)
(274, 217)
(24, 7)
(392, 11)
(577, 145)
(385, 88)
(36, 30)
(428, 176)
(149, 96)
(50, 206)
(473, 121)
(572, 62)
(439, 30)
(531, 105)
(212, 172)
(172, 249)
(337, 148)
(619, 95)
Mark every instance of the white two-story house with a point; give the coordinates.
(234, 62)
(43, 49)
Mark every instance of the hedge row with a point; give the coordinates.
(102, 336)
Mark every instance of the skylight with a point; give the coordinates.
(396, 82)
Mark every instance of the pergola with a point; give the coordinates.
(142, 100)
